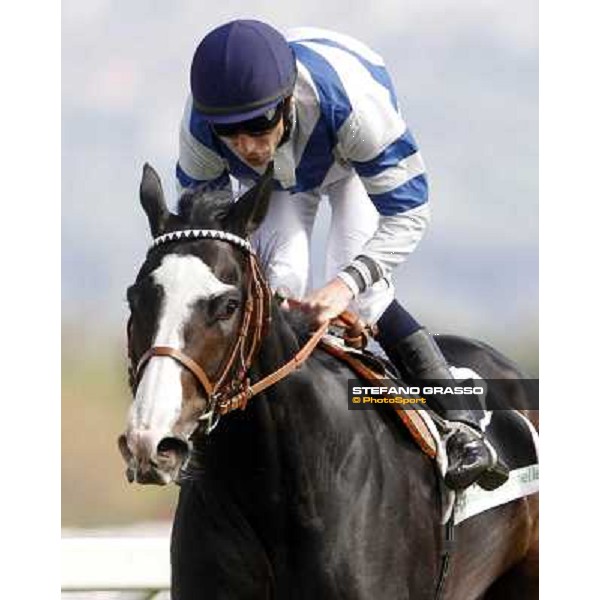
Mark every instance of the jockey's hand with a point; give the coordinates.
(327, 302)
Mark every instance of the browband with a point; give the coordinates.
(213, 234)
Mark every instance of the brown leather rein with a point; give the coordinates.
(232, 389)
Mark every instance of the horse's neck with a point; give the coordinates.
(278, 347)
(244, 440)
(296, 455)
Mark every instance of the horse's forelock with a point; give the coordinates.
(205, 209)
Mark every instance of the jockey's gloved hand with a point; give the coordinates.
(327, 302)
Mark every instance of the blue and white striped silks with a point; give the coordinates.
(345, 117)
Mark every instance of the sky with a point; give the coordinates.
(466, 75)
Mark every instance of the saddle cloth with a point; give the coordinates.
(511, 434)
(516, 441)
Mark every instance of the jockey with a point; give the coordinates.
(322, 106)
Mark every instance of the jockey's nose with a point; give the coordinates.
(246, 144)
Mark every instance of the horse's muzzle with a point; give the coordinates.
(150, 463)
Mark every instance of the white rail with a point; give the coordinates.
(115, 563)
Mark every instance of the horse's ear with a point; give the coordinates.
(247, 213)
(153, 201)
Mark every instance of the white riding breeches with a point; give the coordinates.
(282, 242)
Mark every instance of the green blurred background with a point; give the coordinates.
(95, 397)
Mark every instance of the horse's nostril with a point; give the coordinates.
(172, 449)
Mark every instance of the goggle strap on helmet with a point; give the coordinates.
(257, 125)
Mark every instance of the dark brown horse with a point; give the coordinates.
(295, 497)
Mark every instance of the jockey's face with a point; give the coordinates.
(257, 149)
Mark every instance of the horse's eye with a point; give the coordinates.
(229, 309)
(223, 307)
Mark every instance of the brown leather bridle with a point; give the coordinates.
(231, 388)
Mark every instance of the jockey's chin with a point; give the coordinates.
(259, 161)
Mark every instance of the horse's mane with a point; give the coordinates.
(299, 323)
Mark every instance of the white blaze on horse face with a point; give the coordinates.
(159, 397)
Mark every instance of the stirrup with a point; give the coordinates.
(497, 474)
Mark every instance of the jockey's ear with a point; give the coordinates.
(153, 201)
(247, 213)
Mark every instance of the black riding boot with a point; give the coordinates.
(470, 458)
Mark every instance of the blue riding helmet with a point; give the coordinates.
(241, 70)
